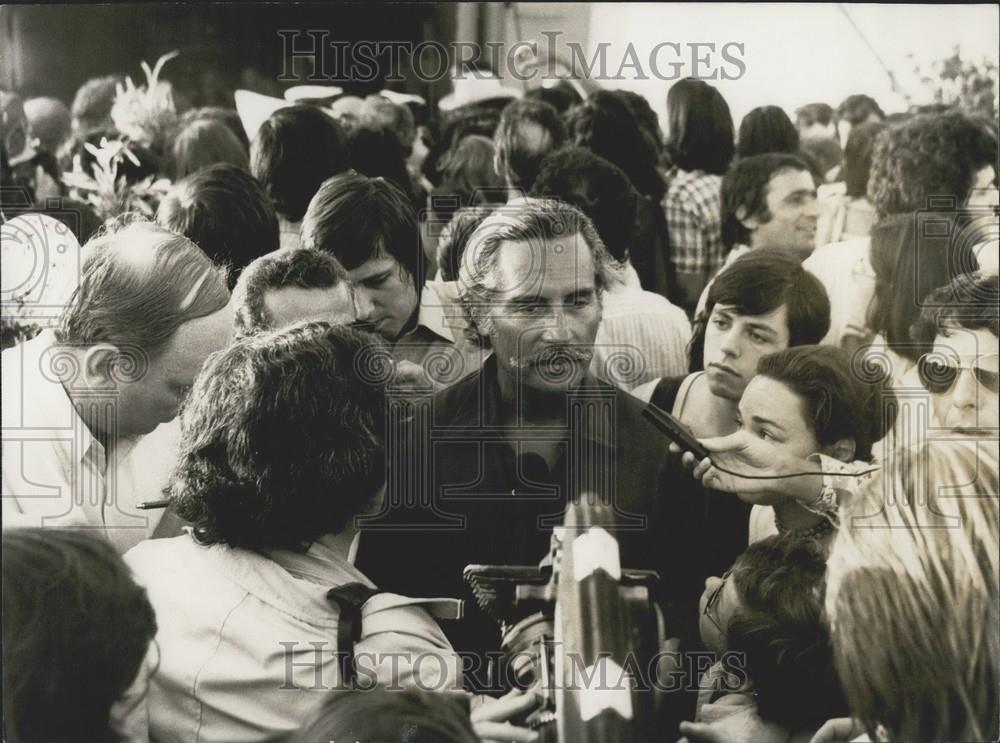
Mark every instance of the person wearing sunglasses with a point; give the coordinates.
(960, 324)
(775, 678)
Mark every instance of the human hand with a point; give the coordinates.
(490, 718)
(742, 452)
(838, 730)
(700, 732)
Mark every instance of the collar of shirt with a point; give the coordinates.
(440, 312)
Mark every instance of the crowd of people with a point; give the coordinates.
(287, 375)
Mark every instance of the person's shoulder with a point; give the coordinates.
(838, 253)
(150, 556)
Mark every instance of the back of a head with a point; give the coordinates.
(562, 96)
(468, 172)
(281, 439)
(812, 114)
(856, 109)
(765, 279)
(838, 403)
(744, 187)
(228, 116)
(302, 268)
(767, 129)
(138, 285)
(928, 156)
(598, 188)
(604, 124)
(858, 157)
(49, 121)
(701, 135)
(377, 154)
(356, 218)
(92, 103)
(381, 113)
(911, 260)
(207, 142)
(76, 629)
(528, 130)
(294, 151)
(226, 213)
(391, 716)
(781, 632)
(919, 547)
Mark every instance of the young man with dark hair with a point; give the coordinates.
(922, 162)
(528, 130)
(768, 201)
(290, 286)
(764, 302)
(295, 150)
(150, 308)
(226, 213)
(370, 227)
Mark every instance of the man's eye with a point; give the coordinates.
(720, 323)
(526, 309)
(375, 281)
(765, 436)
(757, 338)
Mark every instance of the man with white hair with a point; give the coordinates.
(492, 461)
(83, 403)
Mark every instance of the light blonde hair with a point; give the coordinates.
(912, 595)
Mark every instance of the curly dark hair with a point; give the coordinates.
(303, 268)
(781, 630)
(596, 187)
(933, 155)
(282, 438)
(226, 213)
(605, 125)
(294, 151)
(76, 629)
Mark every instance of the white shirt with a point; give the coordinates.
(642, 336)
(247, 641)
(846, 273)
(55, 472)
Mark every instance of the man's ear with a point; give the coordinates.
(97, 363)
(750, 222)
(842, 450)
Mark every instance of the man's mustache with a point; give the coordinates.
(559, 355)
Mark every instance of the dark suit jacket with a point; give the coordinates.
(474, 499)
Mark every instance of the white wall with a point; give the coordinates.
(796, 53)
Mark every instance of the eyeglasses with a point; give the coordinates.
(939, 373)
(714, 599)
